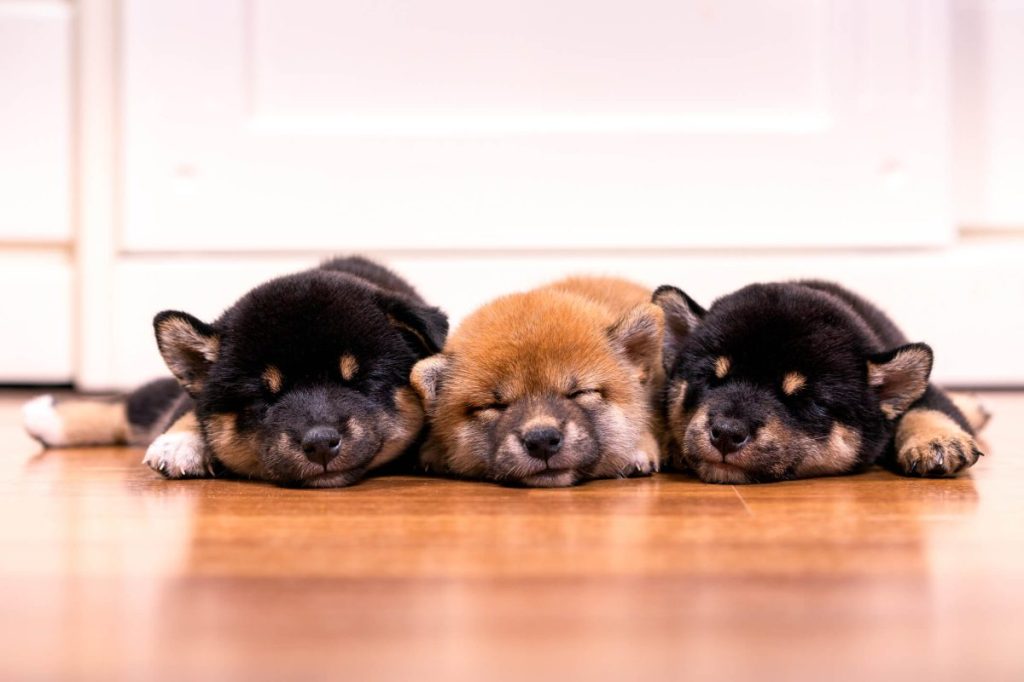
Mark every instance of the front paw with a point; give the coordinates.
(931, 444)
(646, 460)
(179, 455)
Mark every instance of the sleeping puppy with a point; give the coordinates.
(548, 388)
(304, 381)
(783, 381)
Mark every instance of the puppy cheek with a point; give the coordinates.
(239, 452)
(468, 451)
(398, 429)
(839, 454)
(693, 439)
(610, 443)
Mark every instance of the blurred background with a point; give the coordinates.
(173, 154)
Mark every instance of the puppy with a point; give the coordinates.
(783, 381)
(304, 381)
(548, 388)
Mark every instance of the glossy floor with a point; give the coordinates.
(108, 572)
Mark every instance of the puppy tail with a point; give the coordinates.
(973, 409)
(69, 422)
(132, 419)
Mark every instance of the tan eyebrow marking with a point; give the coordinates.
(722, 365)
(348, 366)
(273, 378)
(793, 382)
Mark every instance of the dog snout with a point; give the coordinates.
(321, 444)
(542, 442)
(728, 435)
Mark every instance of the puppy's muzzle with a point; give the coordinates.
(542, 442)
(321, 444)
(728, 435)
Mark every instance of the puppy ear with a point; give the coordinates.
(638, 335)
(425, 327)
(189, 348)
(682, 315)
(428, 376)
(900, 377)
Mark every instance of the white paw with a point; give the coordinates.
(42, 421)
(644, 463)
(178, 455)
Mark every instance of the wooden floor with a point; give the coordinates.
(108, 572)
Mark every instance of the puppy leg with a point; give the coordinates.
(180, 451)
(934, 439)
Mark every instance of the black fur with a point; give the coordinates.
(826, 335)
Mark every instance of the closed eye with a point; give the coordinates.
(499, 407)
(581, 392)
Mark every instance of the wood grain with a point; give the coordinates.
(108, 572)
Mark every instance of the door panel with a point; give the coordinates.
(35, 122)
(273, 125)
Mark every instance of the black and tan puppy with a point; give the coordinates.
(304, 381)
(548, 388)
(790, 380)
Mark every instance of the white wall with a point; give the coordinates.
(174, 154)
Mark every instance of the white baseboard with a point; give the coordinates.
(965, 300)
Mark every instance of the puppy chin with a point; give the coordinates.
(551, 479)
(720, 472)
(332, 479)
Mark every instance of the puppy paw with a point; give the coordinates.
(178, 455)
(928, 443)
(646, 460)
(42, 422)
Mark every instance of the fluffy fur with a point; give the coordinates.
(790, 380)
(548, 388)
(304, 381)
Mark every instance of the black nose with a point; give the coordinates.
(542, 442)
(728, 435)
(321, 444)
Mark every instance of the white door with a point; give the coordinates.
(361, 124)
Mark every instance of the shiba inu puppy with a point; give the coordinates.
(304, 381)
(790, 380)
(548, 388)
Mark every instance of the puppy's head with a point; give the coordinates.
(774, 382)
(304, 381)
(540, 389)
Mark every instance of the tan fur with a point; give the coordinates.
(177, 340)
(900, 381)
(549, 341)
(928, 441)
(401, 427)
(273, 379)
(678, 420)
(839, 455)
(238, 453)
(93, 422)
(722, 366)
(186, 422)
(803, 455)
(177, 331)
(348, 366)
(793, 382)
